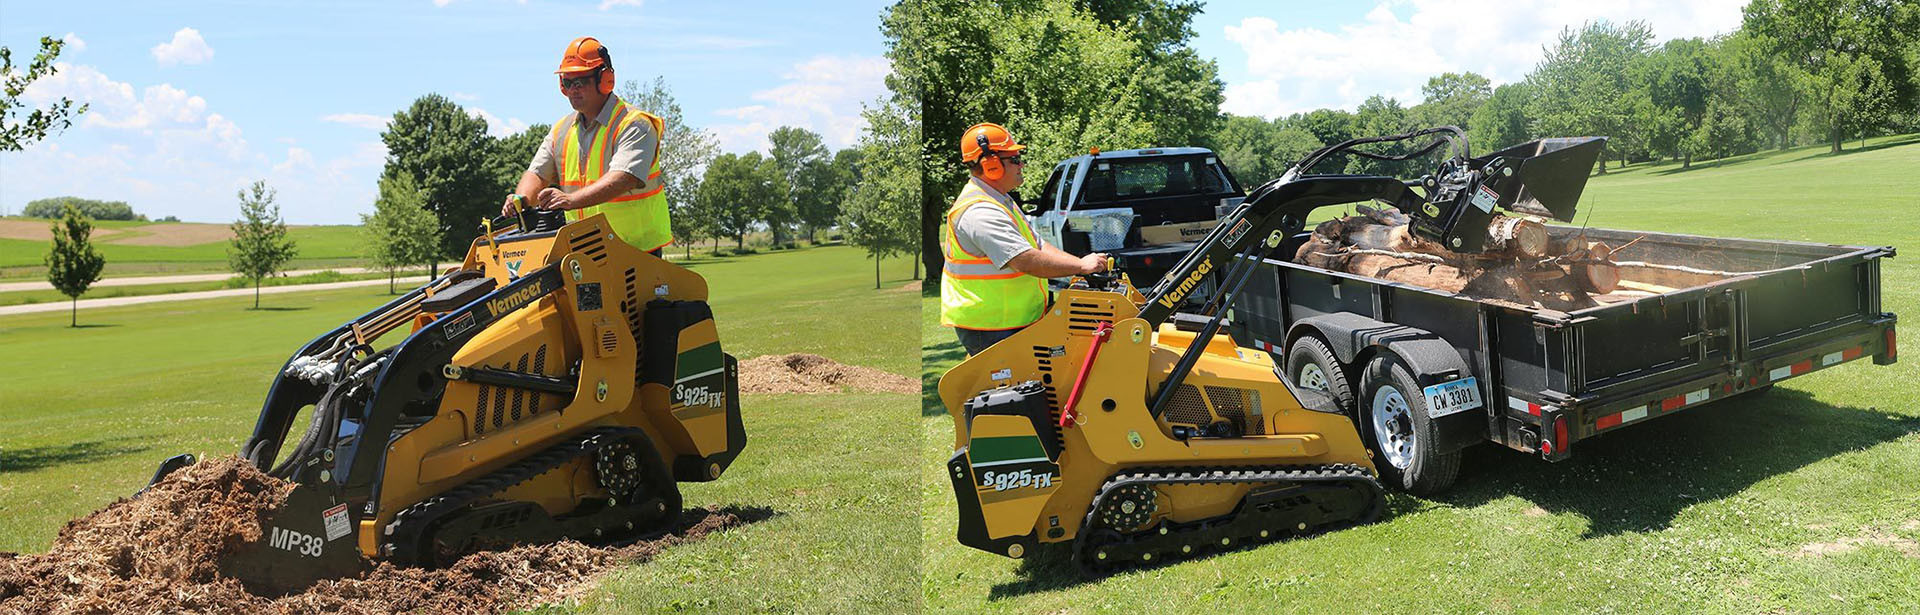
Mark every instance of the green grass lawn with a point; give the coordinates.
(86, 414)
(1804, 500)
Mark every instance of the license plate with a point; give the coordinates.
(1450, 397)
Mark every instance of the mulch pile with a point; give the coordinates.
(159, 553)
(812, 373)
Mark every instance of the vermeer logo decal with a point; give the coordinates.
(520, 298)
(1186, 286)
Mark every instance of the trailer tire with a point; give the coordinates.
(1408, 458)
(1311, 365)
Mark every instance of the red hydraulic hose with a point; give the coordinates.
(1100, 336)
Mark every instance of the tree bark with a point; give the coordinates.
(1523, 263)
(73, 320)
(876, 271)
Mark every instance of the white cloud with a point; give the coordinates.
(74, 44)
(168, 153)
(823, 94)
(112, 104)
(186, 48)
(1400, 43)
(497, 127)
(607, 4)
(358, 120)
(463, 97)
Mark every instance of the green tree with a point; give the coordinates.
(1675, 95)
(400, 232)
(72, 263)
(447, 152)
(1583, 87)
(1257, 150)
(1847, 58)
(16, 133)
(882, 212)
(1502, 121)
(1328, 126)
(260, 246)
(1451, 98)
(1063, 75)
(792, 150)
(511, 154)
(1762, 85)
(99, 210)
(737, 191)
(1379, 116)
(821, 186)
(685, 151)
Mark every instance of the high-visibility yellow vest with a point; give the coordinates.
(640, 215)
(974, 294)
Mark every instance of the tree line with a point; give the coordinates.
(1796, 72)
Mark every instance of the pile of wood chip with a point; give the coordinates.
(159, 553)
(812, 373)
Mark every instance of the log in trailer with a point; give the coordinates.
(1539, 380)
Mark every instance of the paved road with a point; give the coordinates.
(59, 306)
(7, 287)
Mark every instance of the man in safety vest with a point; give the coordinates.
(994, 282)
(602, 159)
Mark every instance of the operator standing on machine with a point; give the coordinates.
(602, 159)
(994, 282)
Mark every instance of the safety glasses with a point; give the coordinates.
(568, 83)
(1019, 160)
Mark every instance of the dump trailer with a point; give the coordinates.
(1713, 319)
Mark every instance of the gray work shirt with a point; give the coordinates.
(987, 231)
(634, 149)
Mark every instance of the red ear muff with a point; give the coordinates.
(990, 166)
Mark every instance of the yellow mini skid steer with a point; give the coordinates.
(1129, 424)
(559, 384)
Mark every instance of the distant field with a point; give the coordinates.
(172, 247)
(1804, 500)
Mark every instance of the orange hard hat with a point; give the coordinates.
(987, 136)
(583, 54)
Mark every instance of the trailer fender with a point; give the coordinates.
(1356, 339)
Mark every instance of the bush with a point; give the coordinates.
(98, 210)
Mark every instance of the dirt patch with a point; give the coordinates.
(158, 553)
(812, 373)
(177, 234)
(1535, 511)
(41, 230)
(1904, 545)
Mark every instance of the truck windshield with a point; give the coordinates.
(1153, 177)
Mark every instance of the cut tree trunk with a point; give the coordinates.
(1523, 264)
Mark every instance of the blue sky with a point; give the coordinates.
(194, 100)
(1284, 57)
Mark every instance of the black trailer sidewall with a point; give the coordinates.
(1428, 471)
(1309, 351)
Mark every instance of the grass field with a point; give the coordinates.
(127, 253)
(86, 414)
(1804, 500)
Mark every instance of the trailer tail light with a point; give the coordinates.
(1893, 349)
(1559, 435)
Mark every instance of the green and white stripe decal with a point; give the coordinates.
(698, 362)
(1006, 450)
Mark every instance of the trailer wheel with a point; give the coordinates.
(1394, 422)
(1311, 365)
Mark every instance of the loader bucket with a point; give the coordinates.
(1551, 174)
(310, 538)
